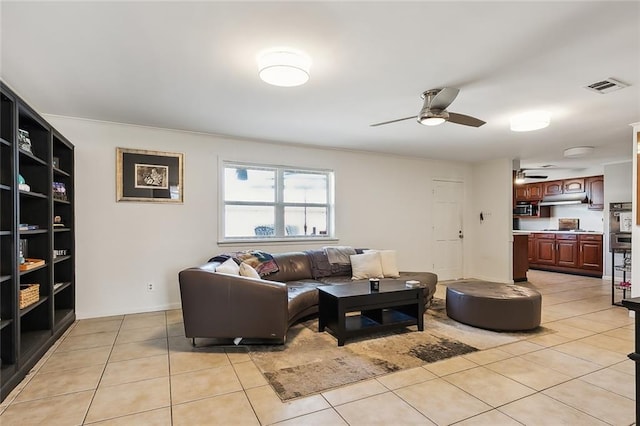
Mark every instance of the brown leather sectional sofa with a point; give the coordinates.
(223, 306)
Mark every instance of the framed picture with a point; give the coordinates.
(151, 176)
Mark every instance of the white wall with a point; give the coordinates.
(382, 202)
(490, 252)
(635, 233)
(618, 183)
(591, 220)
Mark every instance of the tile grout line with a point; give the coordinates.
(84, 419)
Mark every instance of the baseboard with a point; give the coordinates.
(87, 315)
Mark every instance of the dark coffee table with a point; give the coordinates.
(394, 306)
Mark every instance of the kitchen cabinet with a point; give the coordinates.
(528, 192)
(531, 249)
(545, 249)
(590, 252)
(567, 252)
(567, 186)
(520, 257)
(594, 186)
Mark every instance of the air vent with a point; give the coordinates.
(606, 86)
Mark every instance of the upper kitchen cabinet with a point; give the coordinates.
(567, 186)
(528, 192)
(595, 192)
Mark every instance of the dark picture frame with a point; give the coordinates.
(149, 176)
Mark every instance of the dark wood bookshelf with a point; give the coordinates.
(28, 333)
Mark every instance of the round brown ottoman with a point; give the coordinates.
(494, 306)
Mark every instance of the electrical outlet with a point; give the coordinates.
(150, 287)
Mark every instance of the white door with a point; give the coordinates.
(447, 229)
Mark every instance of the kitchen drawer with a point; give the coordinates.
(545, 236)
(586, 237)
(566, 237)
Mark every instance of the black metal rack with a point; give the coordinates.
(623, 285)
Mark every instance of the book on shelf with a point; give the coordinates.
(27, 227)
(60, 284)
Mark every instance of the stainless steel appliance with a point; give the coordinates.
(524, 208)
(620, 223)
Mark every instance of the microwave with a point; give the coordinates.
(525, 209)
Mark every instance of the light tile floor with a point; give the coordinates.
(140, 369)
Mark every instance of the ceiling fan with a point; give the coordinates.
(435, 112)
(521, 174)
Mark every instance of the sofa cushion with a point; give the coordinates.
(302, 296)
(366, 265)
(229, 266)
(292, 266)
(247, 271)
(388, 259)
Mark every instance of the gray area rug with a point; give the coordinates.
(311, 362)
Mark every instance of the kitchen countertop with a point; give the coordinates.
(522, 232)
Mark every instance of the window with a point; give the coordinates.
(273, 202)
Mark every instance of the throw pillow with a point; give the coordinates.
(366, 265)
(228, 267)
(247, 271)
(388, 258)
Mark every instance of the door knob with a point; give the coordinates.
(460, 234)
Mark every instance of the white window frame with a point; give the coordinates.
(279, 205)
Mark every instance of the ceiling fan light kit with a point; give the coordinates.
(530, 121)
(283, 66)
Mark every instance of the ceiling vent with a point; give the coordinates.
(606, 86)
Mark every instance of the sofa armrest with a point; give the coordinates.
(219, 305)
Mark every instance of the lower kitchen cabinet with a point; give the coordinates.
(567, 250)
(571, 253)
(591, 252)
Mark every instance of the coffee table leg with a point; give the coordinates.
(342, 324)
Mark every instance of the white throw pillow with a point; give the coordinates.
(247, 270)
(366, 265)
(388, 259)
(228, 267)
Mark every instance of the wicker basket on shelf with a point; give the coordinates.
(29, 294)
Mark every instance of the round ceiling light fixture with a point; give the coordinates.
(578, 151)
(283, 66)
(529, 121)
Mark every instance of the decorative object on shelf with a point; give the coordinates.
(31, 263)
(56, 162)
(57, 222)
(152, 176)
(23, 247)
(29, 294)
(59, 191)
(24, 143)
(57, 253)
(22, 184)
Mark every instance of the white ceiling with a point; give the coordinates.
(191, 66)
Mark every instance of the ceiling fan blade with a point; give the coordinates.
(535, 176)
(393, 121)
(467, 120)
(444, 98)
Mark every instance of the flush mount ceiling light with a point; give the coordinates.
(283, 66)
(578, 151)
(529, 121)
